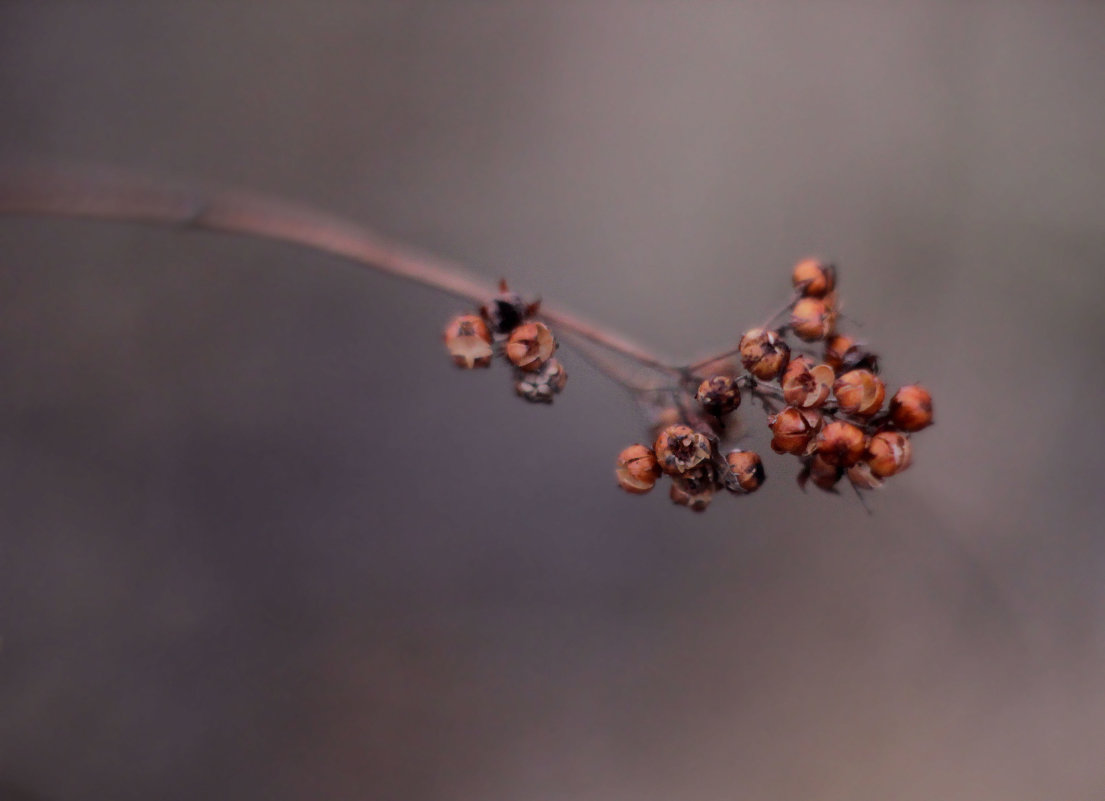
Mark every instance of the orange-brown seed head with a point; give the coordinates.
(805, 384)
(680, 448)
(841, 444)
(889, 453)
(812, 319)
(814, 278)
(823, 475)
(859, 392)
(719, 395)
(764, 353)
(747, 470)
(694, 490)
(911, 408)
(468, 341)
(530, 345)
(637, 469)
(793, 428)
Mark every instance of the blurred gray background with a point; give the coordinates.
(260, 540)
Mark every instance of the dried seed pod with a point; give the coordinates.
(859, 392)
(805, 384)
(719, 395)
(468, 341)
(793, 428)
(889, 453)
(637, 469)
(693, 489)
(911, 408)
(861, 475)
(530, 345)
(823, 475)
(841, 444)
(812, 319)
(544, 384)
(680, 448)
(746, 471)
(814, 278)
(764, 353)
(837, 348)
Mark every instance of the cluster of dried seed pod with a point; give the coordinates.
(830, 412)
(506, 326)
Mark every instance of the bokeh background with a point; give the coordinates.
(260, 540)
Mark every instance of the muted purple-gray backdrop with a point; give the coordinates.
(260, 540)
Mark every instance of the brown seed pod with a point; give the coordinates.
(805, 384)
(812, 319)
(859, 392)
(468, 341)
(544, 384)
(637, 469)
(837, 348)
(911, 408)
(764, 353)
(814, 278)
(719, 395)
(889, 453)
(694, 489)
(823, 475)
(746, 471)
(680, 448)
(504, 312)
(793, 428)
(530, 345)
(841, 444)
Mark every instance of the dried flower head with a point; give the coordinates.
(468, 341)
(746, 471)
(911, 408)
(680, 448)
(889, 453)
(719, 395)
(637, 469)
(764, 353)
(530, 345)
(805, 384)
(859, 392)
(693, 489)
(823, 475)
(841, 444)
(544, 384)
(814, 278)
(812, 319)
(793, 428)
(504, 312)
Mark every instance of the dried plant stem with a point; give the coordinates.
(125, 196)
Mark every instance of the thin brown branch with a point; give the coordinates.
(125, 196)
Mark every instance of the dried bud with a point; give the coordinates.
(694, 489)
(823, 475)
(889, 453)
(793, 429)
(814, 278)
(841, 444)
(837, 348)
(747, 471)
(859, 392)
(719, 395)
(911, 408)
(764, 353)
(530, 346)
(637, 469)
(806, 385)
(505, 312)
(812, 319)
(468, 341)
(861, 476)
(543, 385)
(680, 448)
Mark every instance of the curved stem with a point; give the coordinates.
(124, 196)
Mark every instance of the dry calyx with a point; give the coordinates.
(829, 412)
(506, 326)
